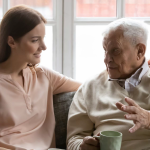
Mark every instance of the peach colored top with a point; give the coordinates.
(26, 114)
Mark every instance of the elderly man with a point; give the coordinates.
(118, 99)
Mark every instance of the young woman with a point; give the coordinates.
(26, 90)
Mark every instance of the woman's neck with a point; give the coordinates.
(11, 66)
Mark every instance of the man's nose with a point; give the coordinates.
(108, 58)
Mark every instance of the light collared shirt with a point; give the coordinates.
(130, 83)
(27, 118)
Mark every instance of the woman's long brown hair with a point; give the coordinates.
(17, 22)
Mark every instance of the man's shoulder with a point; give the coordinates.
(148, 73)
(146, 76)
(99, 79)
(146, 79)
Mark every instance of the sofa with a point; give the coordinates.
(61, 104)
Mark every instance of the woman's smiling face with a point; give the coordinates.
(29, 47)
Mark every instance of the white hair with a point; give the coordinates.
(134, 30)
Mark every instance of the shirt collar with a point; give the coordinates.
(137, 75)
(144, 68)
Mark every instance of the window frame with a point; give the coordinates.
(64, 31)
(70, 22)
(56, 23)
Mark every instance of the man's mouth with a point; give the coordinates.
(111, 68)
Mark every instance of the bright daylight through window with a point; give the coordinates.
(1, 9)
(45, 7)
(88, 41)
(74, 31)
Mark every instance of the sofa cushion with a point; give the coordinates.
(61, 108)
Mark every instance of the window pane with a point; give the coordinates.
(45, 7)
(137, 8)
(89, 51)
(96, 8)
(1, 11)
(47, 55)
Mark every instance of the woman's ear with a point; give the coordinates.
(141, 49)
(11, 42)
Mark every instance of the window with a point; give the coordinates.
(89, 51)
(137, 8)
(95, 8)
(52, 11)
(90, 17)
(73, 31)
(45, 7)
(1, 10)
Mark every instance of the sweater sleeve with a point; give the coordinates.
(79, 124)
(61, 83)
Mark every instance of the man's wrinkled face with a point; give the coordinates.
(120, 55)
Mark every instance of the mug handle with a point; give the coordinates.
(97, 137)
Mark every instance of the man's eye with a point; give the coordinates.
(116, 51)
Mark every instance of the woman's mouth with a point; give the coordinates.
(37, 55)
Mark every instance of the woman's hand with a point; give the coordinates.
(140, 116)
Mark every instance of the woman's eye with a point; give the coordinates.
(34, 40)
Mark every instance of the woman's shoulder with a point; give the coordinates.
(50, 73)
(44, 69)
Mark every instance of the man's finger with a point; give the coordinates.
(92, 141)
(98, 134)
(130, 109)
(130, 101)
(131, 117)
(135, 127)
(119, 105)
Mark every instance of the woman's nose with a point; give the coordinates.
(43, 46)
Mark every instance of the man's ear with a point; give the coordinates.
(11, 42)
(141, 49)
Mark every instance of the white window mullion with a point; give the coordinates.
(68, 38)
(120, 9)
(94, 22)
(5, 6)
(57, 35)
(74, 40)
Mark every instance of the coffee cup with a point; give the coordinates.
(110, 140)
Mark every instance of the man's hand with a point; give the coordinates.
(89, 143)
(140, 116)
